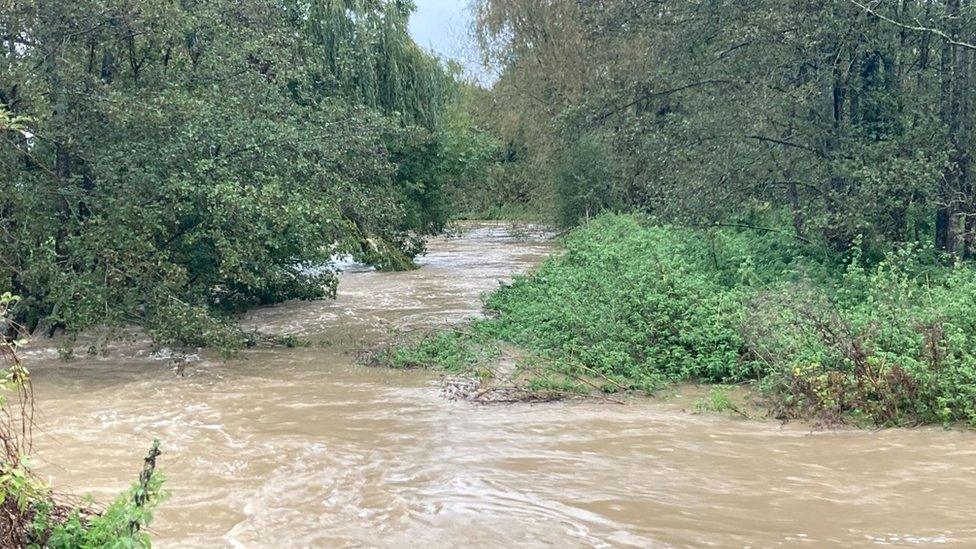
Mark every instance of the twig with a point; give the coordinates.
(612, 382)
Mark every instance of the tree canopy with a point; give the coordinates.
(842, 118)
(182, 158)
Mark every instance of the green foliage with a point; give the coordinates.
(120, 526)
(583, 180)
(855, 118)
(485, 169)
(170, 165)
(20, 487)
(633, 304)
(717, 401)
(893, 343)
(450, 351)
(483, 175)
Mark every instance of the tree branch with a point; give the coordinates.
(916, 28)
(663, 93)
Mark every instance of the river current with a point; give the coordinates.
(302, 447)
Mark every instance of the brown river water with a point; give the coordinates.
(304, 448)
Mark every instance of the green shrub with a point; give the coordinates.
(894, 343)
(30, 514)
(719, 401)
(889, 340)
(630, 302)
(452, 351)
(121, 525)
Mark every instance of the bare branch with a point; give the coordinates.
(663, 93)
(916, 28)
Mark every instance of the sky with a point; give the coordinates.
(441, 26)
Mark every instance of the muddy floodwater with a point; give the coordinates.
(303, 448)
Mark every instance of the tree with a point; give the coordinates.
(186, 159)
(839, 116)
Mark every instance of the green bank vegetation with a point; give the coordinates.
(633, 306)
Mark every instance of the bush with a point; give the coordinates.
(891, 341)
(121, 525)
(894, 343)
(629, 302)
(451, 351)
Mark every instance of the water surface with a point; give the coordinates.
(303, 448)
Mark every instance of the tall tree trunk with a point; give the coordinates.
(966, 65)
(969, 238)
(950, 99)
(837, 236)
(50, 38)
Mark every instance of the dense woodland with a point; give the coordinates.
(832, 118)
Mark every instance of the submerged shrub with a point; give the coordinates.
(450, 351)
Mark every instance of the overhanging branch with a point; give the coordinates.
(916, 28)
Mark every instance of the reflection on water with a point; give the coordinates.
(301, 447)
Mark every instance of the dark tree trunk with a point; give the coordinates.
(943, 229)
(950, 107)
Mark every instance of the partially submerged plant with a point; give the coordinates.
(30, 514)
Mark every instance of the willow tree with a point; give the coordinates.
(366, 53)
(186, 159)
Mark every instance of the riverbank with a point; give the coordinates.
(634, 307)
